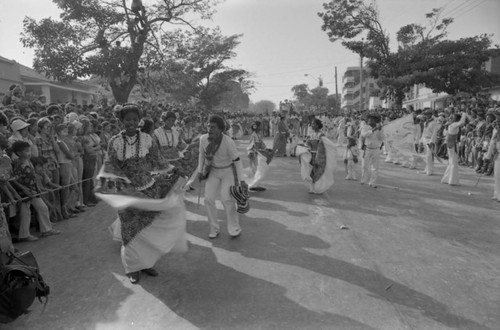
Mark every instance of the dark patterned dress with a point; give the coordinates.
(318, 159)
(317, 162)
(134, 170)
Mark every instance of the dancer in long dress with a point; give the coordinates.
(144, 188)
(280, 137)
(259, 157)
(317, 160)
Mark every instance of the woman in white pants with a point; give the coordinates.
(451, 174)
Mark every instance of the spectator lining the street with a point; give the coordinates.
(25, 173)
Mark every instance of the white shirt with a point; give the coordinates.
(429, 135)
(373, 139)
(224, 156)
(118, 142)
(454, 128)
(167, 138)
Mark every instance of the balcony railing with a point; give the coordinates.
(348, 80)
(350, 102)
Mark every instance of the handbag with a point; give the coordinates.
(20, 284)
(240, 194)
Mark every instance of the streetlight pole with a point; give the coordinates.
(361, 82)
(319, 80)
(336, 91)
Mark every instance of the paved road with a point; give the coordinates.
(423, 256)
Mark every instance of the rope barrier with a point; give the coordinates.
(43, 193)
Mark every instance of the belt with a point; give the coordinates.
(372, 147)
(221, 167)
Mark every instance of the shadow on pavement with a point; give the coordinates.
(214, 296)
(80, 272)
(271, 241)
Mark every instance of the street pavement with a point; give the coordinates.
(410, 254)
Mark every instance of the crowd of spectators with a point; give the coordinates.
(50, 154)
(473, 139)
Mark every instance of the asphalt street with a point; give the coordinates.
(410, 254)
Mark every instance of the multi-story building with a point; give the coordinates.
(420, 96)
(357, 94)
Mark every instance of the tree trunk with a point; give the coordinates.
(122, 91)
(398, 98)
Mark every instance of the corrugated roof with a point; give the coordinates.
(30, 73)
(4, 59)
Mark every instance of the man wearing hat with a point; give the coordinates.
(372, 140)
(20, 133)
(429, 137)
(220, 165)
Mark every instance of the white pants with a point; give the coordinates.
(429, 161)
(219, 180)
(370, 165)
(351, 172)
(496, 171)
(42, 212)
(451, 174)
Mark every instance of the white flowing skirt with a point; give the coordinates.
(167, 232)
(326, 180)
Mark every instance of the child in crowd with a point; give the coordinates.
(6, 178)
(25, 172)
(351, 157)
(44, 184)
(76, 147)
(65, 156)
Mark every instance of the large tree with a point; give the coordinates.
(423, 54)
(316, 98)
(264, 107)
(193, 64)
(106, 38)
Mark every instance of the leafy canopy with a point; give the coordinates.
(106, 38)
(423, 55)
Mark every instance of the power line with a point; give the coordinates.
(458, 8)
(449, 3)
(329, 66)
(465, 12)
(469, 5)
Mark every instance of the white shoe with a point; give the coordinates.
(236, 233)
(214, 234)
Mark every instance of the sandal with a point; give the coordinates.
(134, 277)
(51, 232)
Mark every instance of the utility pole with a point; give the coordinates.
(360, 83)
(337, 91)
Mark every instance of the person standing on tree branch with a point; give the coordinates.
(217, 157)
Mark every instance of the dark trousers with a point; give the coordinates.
(89, 165)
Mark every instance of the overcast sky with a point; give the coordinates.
(282, 39)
